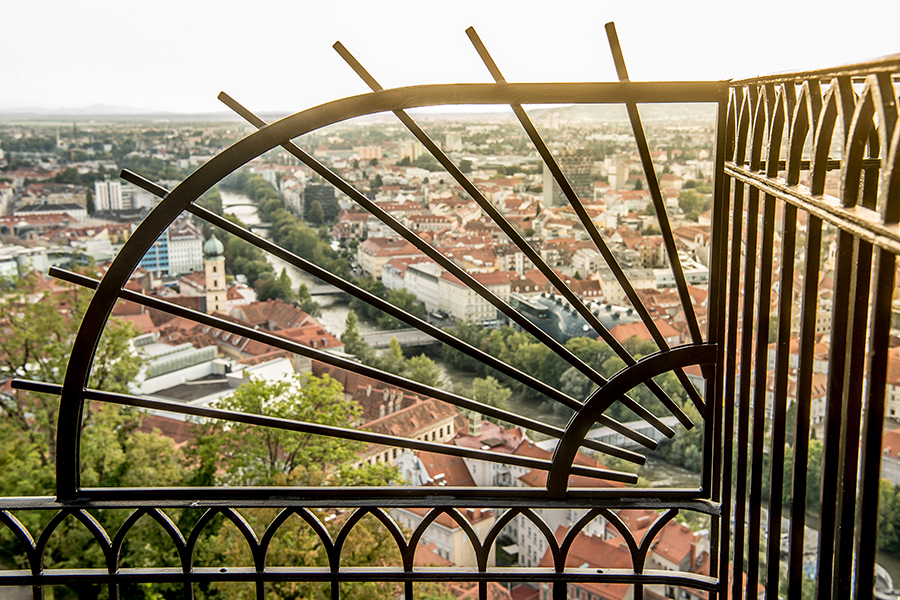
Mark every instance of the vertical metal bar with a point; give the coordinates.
(870, 467)
(560, 590)
(747, 332)
(745, 380)
(759, 391)
(763, 308)
(732, 351)
(715, 334)
(730, 399)
(834, 418)
(780, 400)
(853, 383)
(782, 352)
(832, 425)
(804, 389)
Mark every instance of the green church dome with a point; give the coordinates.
(213, 247)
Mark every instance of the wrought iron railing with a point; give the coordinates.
(756, 121)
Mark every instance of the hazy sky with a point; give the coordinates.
(272, 55)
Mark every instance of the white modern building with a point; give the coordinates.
(108, 195)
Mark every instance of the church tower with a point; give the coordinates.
(214, 260)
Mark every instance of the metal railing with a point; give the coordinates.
(786, 134)
(756, 120)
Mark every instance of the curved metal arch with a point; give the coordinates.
(83, 517)
(24, 536)
(498, 526)
(802, 120)
(382, 517)
(265, 139)
(205, 520)
(304, 515)
(649, 536)
(620, 526)
(759, 128)
(603, 397)
(411, 546)
(777, 119)
(575, 529)
(467, 528)
(890, 182)
(744, 124)
(876, 100)
(559, 561)
(159, 517)
(822, 138)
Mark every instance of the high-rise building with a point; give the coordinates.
(108, 195)
(156, 259)
(578, 167)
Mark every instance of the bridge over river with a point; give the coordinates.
(608, 436)
(406, 337)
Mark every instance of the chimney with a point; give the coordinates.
(381, 411)
(474, 424)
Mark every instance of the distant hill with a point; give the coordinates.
(616, 112)
(100, 110)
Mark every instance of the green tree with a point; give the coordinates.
(393, 360)
(35, 343)
(422, 369)
(468, 332)
(575, 384)
(269, 288)
(488, 390)
(316, 213)
(354, 343)
(693, 204)
(306, 303)
(404, 300)
(686, 448)
(888, 516)
(264, 456)
(465, 165)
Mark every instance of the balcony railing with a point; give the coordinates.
(798, 158)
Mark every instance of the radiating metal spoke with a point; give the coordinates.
(449, 265)
(348, 365)
(595, 235)
(325, 430)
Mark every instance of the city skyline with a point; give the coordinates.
(101, 53)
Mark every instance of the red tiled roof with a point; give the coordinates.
(410, 420)
(594, 552)
(446, 470)
(472, 515)
(427, 556)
